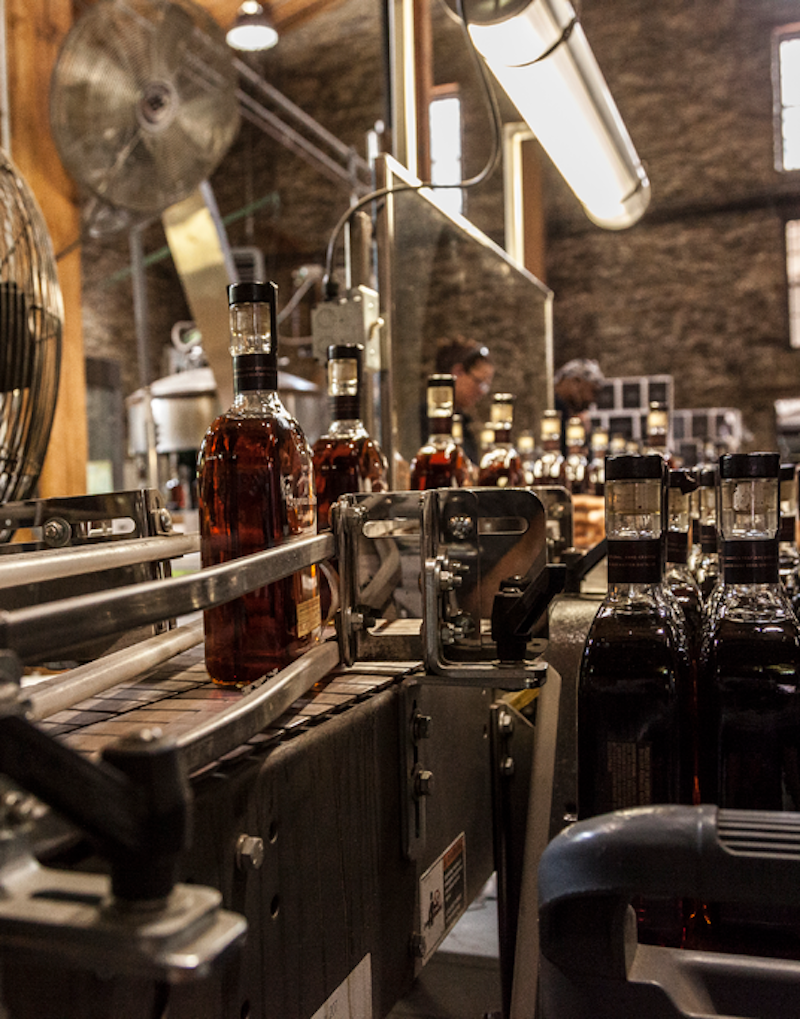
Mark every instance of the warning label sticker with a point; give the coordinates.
(442, 895)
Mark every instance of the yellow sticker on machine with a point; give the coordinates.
(309, 616)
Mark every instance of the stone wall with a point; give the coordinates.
(698, 287)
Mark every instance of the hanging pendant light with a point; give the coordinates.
(253, 29)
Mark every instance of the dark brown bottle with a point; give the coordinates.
(749, 689)
(346, 458)
(750, 674)
(501, 464)
(256, 490)
(440, 462)
(635, 684)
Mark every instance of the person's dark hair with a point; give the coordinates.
(460, 351)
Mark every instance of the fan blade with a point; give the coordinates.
(174, 34)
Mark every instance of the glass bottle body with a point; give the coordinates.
(346, 459)
(440, 463)
(255, 491)
(501, 466)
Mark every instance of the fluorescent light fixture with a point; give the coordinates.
(253, 30)
(538, 52)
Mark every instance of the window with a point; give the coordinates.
(793, 279)
(786, 91)
(445, 127)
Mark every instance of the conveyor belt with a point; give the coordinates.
(180, 699)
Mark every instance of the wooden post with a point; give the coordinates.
(35, 30)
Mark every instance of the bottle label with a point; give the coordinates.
(309, 616)
(254, 371)
(630, 774)
(750, 561)
(634, 561)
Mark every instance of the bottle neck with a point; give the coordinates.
(749, 560)
(677, 547)
(440, 425)
(254, 372)
(708, 537)
(787, 532)
(345, 408)
(635, 561)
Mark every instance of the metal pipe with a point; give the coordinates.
(271, 124)
(37, 631)
(45, 564)
(75, 685)
(255, 79)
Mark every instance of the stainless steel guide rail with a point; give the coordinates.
(37, 631)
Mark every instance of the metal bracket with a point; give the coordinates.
(417, 779)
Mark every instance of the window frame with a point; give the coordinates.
(779, 35)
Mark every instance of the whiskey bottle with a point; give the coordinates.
(440, 463)
(255, 490)
(633, 737)
(749, 684)
(596, 471)
(346, 458)
(678, 578)
(749, 688)
(634, 686)
(501, 465)
(707, 565)
(788, 556)
(550, 468)
(458, 435)
(576, 464)
(657, 432)
(526, 444)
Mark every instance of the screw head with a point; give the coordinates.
(507, 766)
(505, 723)
(423, 783)
(56, 532)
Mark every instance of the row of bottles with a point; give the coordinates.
(260, 484)
(689, 685)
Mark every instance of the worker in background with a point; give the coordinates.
(576, 385)
(471, 364)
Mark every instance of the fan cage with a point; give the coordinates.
(31, 325)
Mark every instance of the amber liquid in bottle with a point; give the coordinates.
(255, 489)
(346, 457)
(440, 462)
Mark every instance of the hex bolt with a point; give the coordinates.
(507, 766)
(417, 946)
(249, 852)
(447, 633)
(423, 783)
(460, 527)
(165, 519)
(56, 532)
(421, 726)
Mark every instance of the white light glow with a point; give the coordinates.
(566, 103)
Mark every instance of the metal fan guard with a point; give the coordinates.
(143, 103)
(31, 324)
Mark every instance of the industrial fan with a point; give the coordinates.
(31, 323)
(143, 103)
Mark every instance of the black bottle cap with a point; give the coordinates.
(441, 380)
(634, 466)
(336, 351)
(788, 472)
(252, 292)
(707, 478)
(749, 465)
(683, 478)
